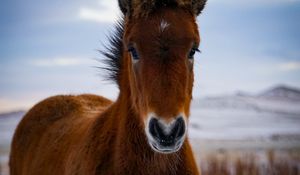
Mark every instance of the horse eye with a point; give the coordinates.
(192, 53)
(133, 53)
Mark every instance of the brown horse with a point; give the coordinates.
(144, 131)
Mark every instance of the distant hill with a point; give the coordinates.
(282, 93)
(12, 114)
(279, 99)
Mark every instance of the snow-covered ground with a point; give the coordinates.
(8, 123)
(244, 118)
(241, 125)
(273, 114)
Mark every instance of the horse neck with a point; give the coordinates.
(131, 149)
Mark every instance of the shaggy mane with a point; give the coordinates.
(113, 52)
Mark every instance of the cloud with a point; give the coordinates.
(61, 61)
(271, 68)
(289, 66)
(107, 11)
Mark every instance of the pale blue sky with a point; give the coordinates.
(49, 47)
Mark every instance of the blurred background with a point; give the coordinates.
(246, 107)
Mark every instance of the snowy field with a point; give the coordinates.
(270, 120)
(244, 118)
(8, 123)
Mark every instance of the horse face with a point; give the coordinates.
(160, 56)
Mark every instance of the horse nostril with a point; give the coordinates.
(155, 129)
(179, 128)
(167, 134)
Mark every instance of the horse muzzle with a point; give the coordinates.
(166, 137)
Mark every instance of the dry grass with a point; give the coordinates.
(251, 164)
(233, 163)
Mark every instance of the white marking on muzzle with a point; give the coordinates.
(167, 127)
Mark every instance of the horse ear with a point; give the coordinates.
(127, 6)
(198, 6)
(124, 6)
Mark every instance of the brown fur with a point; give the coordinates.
(90, 135)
